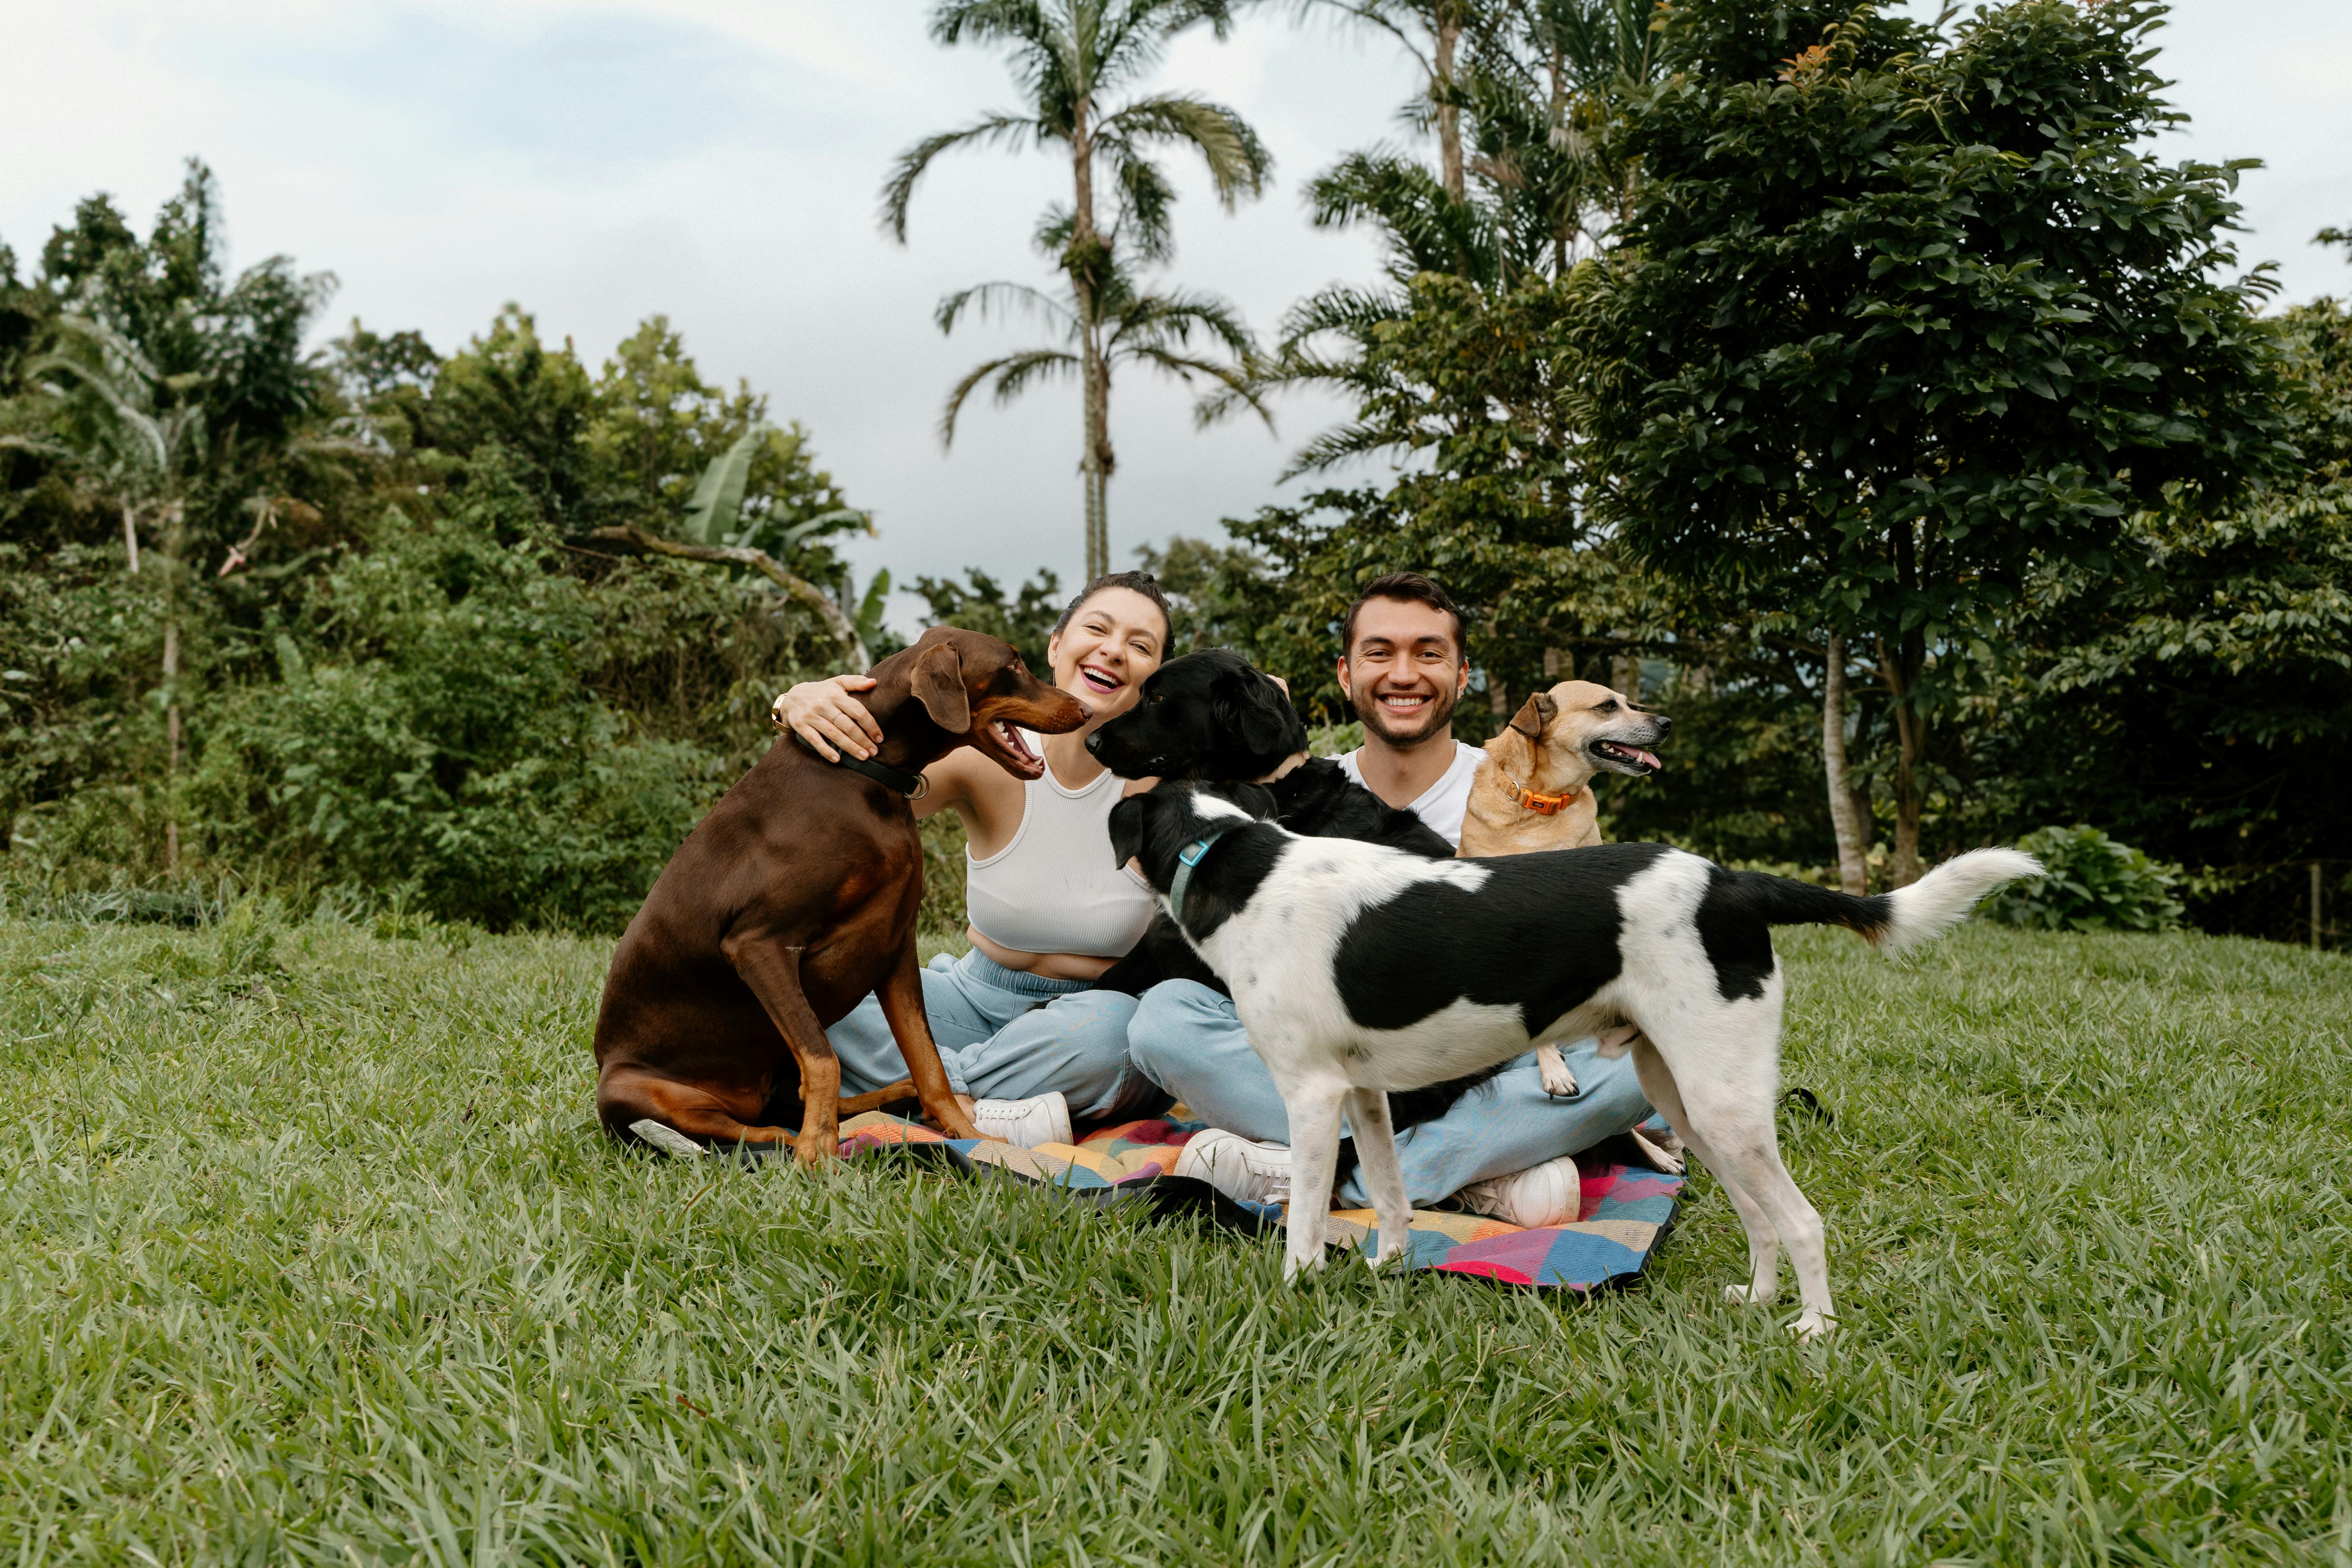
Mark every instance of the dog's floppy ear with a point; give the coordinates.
(1535, 713)
(1269, 723)
(938, 687)
(1252, 707)
(1126, 830)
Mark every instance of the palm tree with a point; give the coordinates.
(1116, 324)
(1070, 57)
(139, 437)
(1524, 181)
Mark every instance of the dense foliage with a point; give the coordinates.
(370, 590)
(1754, 358)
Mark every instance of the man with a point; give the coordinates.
(1506, 1149)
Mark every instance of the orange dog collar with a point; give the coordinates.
(1541, 805)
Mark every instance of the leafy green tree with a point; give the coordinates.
(172, 392)
(1898, 315)
(2198, 701)
(979, 604)
(1072, 57)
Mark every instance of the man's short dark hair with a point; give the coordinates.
(1142, 583)
(1410, 586)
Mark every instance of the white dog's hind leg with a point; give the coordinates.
(1314, 1111)
(1741, 1133)
(1368, 1110)
(1659, 1086)
(1552, 1067)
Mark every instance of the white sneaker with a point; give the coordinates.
(1245, 1172)
(1040, 1119)
(1549, 1193)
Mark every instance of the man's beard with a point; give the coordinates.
(1434, 715)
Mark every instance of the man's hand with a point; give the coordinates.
(825, 714)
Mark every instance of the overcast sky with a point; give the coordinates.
(718, 161)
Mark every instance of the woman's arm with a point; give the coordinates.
(825, 714)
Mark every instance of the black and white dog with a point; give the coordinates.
(1214, 716)
(1359, 969)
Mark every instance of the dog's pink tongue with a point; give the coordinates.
(1648, 758)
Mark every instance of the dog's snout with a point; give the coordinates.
(1662, 722)
(1094, 744)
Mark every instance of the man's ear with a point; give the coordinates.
(1126, 830)
(938, 687)
(1535, 713)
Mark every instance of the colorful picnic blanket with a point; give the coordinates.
(1625, 1214)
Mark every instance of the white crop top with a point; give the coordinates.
(1054, 888)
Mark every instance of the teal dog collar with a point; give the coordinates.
(1187, 858)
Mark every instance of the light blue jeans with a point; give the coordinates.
(1004, 1035)
(1189, 1040)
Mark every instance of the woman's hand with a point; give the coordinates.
(825, 714)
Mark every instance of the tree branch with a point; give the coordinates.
(767, 566)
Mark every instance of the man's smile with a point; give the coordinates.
(1404, 702)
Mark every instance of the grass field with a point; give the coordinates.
(312, 1253)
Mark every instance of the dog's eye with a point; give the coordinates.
(1608, 707)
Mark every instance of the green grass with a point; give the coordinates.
(312, 1253)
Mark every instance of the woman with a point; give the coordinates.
(1026, 1041)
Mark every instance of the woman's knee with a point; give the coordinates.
(1172, 1022)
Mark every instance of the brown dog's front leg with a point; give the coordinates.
(902, 1006)
(773, 971)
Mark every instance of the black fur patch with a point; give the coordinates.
(1540, 935)
(1316, 799)
(1737, 915)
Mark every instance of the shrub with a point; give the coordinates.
(2090, 883)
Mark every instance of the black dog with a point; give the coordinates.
(1215, 717)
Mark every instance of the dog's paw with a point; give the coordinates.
(1749, 1295)
(1557, 1081)
(1811, 1325)
(1654, 1151)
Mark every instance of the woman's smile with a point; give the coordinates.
(1100, 681)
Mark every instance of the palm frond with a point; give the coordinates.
(1003, 298)
(1002, 130)
(1015, 373)
(1237, 161)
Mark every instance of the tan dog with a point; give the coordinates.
(1534, 791)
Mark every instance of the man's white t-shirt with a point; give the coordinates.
(1441, 805)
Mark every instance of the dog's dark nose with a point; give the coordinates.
(1664, 724)
(1094, 742)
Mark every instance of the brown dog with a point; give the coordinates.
(1534, 791)
(791, 901)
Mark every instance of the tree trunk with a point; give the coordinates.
(173, 549)
(1852, 841)
(1100, 461)
(1560, 141)
(1449, 116)
(131, 536)
(1902, 660)
(1085, 263)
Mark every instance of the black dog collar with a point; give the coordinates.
(914, 786)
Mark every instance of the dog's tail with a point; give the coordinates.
(1891, 921)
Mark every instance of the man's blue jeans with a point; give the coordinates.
(1187, 1039)
(1004, 1035)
